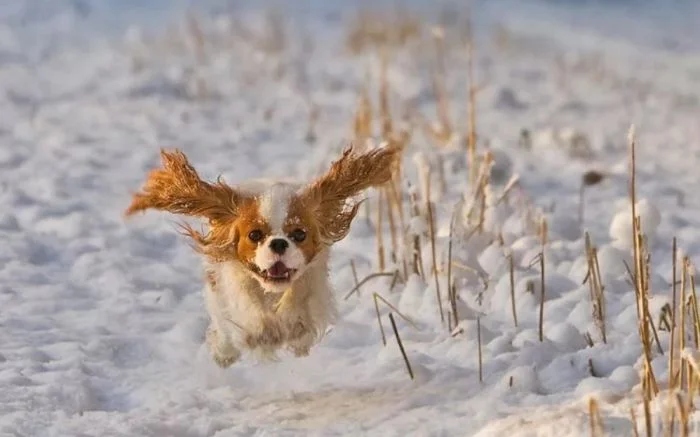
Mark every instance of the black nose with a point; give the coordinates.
(278, 245)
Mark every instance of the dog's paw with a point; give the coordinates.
(300, 350)
(222, 352)
(302, 341)
(225, 361)
(301, 346)
(297, 330)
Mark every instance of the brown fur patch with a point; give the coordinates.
(331, 196)
(248, 220)
(300, 217)
(177, 188)
(218, 243)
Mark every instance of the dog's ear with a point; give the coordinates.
(177, 188)
(331, 197)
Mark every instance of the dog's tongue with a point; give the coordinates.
(278, 269)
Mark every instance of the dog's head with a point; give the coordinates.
(275, 232)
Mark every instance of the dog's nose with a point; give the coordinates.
(279, 245)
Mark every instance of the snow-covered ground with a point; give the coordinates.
(102, 320)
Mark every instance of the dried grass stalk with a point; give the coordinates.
(403, 351)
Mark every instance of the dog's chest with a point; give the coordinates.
(270, 301)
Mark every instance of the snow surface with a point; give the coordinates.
(102, 320)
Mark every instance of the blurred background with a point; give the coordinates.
(662, 23)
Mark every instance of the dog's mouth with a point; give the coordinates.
(276, 273)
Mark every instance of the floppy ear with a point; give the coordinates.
(177, 188)
(331, 196)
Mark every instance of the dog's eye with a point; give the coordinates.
(298, 235)
(255, 236)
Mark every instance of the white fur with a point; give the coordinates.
(274, 205)
(293, 257)
(245, 316)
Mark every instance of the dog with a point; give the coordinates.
(266, 247)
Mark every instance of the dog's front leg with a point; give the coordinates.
(223, 352)
(302, 338)
(221, 348)
(294, 317)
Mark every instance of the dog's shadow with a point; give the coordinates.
(274, 393)
(337, 406)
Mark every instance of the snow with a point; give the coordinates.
(102, 319)
(621, 225)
